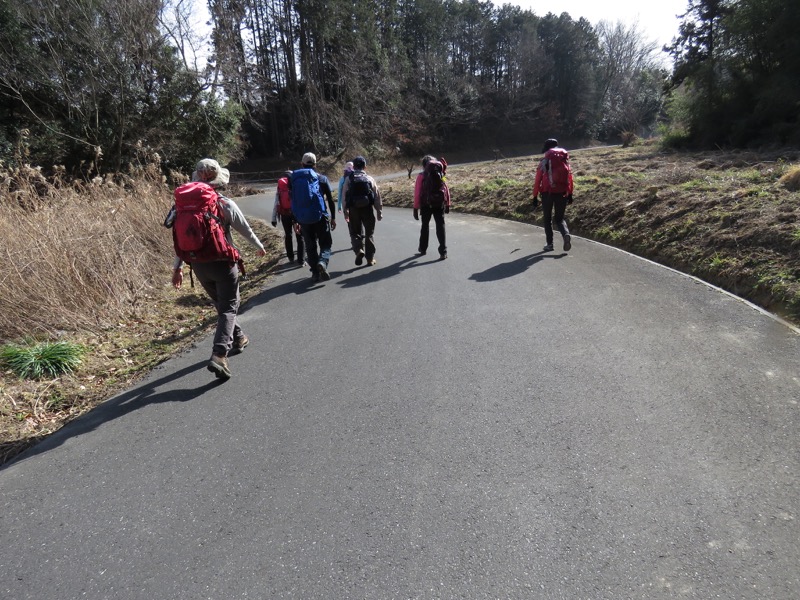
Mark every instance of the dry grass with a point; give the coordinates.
(791, 179)
(91, 263)
(79, 258)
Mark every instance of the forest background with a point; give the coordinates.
(106, 105)
(87, 85)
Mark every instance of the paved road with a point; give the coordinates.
(502, 424)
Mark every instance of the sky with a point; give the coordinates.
(657, 19)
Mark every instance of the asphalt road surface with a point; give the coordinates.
(506, 423)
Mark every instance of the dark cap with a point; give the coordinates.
(550, 143)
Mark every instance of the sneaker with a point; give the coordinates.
(218, 365)
(315, 277)
(290, 257)
(442, 255)
(548, 248)
(300, 262)
(239, 344)
(421, 252)
(567, 242)
(359, 258)
(372, 262)
(322, 269)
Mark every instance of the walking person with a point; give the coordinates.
(310, 190)
(202, 237)
(348, 168)
(282, 211)
(432, 199)
(361, 198)
(554, 182)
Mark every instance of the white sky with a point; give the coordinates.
(657, 19)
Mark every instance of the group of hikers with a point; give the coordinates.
(202, 219)
(300, 206)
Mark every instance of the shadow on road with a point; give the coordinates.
(120, 406)
(515, 267)
(372, 274)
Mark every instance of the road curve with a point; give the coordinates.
(506, 423)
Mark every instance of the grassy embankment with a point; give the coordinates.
(90, 263)
(729, 218)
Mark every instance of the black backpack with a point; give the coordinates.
(433, 185)
(359, 192)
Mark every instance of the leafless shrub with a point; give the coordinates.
(791, 179)
(628, 138)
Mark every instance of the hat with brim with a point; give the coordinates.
(209, 171)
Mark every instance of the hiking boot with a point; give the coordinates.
(218, 365)
(567, 242)
(442, 255)
(359, 258)
(548, 248)
(240, 343)
(421, 252)
(372, 262)
(322, 269)
(290, 257)
(300, 262)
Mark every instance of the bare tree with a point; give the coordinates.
(629, 83)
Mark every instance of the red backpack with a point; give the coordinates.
(198, 233)
(284, 197)
(557, 170)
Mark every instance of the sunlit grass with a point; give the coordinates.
(41, 360)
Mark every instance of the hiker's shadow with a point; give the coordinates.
(372, 274)
(302, 285)
(513, 268)
(121, 405)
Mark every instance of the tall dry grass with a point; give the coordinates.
(78, 256)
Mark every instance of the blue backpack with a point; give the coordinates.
(308, 204)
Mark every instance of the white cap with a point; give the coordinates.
(309, 158)
(209, 171)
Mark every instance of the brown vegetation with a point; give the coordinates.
(91, 263)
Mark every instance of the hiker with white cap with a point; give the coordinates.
(310, 190)
(202, 237)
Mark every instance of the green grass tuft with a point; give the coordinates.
(41, 360)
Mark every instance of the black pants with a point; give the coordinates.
(438, 217)
(549, 203)
(288, 228)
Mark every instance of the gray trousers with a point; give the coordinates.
(220, 280)
(362, 230)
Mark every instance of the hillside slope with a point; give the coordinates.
(729, 218)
